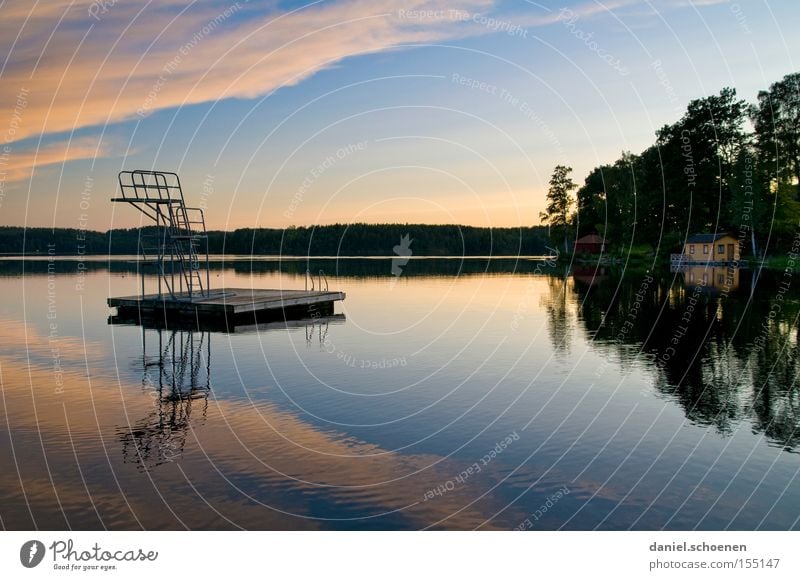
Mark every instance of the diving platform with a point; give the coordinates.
(175, 247)
(233, 303)
(264, 310)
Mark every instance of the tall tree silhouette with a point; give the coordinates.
(776, 118)
(559, 202)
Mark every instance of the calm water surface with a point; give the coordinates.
(490, 394)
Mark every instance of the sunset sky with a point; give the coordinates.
(286, 113)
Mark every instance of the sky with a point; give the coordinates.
(279, 114)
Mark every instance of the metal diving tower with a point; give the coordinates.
(177, 243)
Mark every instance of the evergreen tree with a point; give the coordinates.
(559, 202)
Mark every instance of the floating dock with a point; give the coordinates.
(227, 308)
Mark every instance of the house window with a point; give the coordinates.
(721, 248)
(691, 249)
(705, 248)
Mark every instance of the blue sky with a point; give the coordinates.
(285, 113)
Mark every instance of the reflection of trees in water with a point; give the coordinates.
(723, 397)
(724, 359)
(776, 405)
(363, 268)
(558, 304)
(177, 377)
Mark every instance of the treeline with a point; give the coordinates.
(17, 240)
(725, 165)
(381, 239)
(329, 240)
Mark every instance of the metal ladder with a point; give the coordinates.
(186, 237)
(179, 246)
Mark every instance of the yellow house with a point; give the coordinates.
(708, 248)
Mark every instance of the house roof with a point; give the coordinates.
(705, 238)
(590, 239)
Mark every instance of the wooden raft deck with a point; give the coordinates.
(230, 303)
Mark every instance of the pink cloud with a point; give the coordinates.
(20, 163)
(81, 72)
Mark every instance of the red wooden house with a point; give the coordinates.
(591, 244)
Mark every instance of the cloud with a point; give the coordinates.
(79, 71)
(19, 164)
(597, 8)
(688, 3)
(77, 64)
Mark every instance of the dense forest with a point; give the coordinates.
(725, 165)
(330, 240)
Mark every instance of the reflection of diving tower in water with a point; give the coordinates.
(177, 244)
(178, 378)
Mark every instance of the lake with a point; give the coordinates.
(462, 394)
